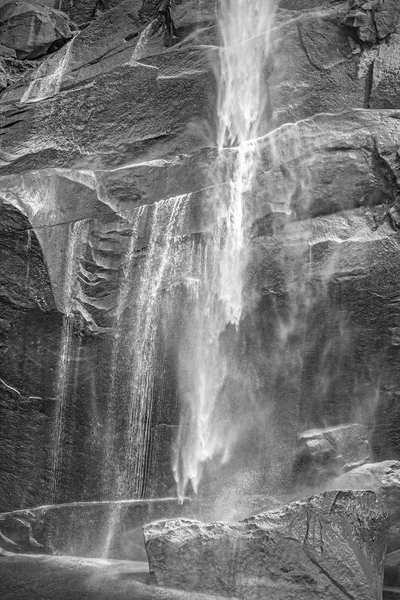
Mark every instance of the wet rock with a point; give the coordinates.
(374, 20)
(386, 65)
(16, 536)
(83, 12)
(66, 578)
(4, 51)
(331, 545)
(392, 569)
(33, 30)
(384, 479)
(324, 453)
(112, 529)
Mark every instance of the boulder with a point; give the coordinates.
(33, 30)
(384, 479)
(323, 453)
(328, 546)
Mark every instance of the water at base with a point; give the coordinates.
(207, 425)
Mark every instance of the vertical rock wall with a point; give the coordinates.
(120, 117)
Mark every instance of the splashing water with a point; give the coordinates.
(204, 429)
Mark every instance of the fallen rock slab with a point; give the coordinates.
(328, 546)
(324, 453)
(384, 479)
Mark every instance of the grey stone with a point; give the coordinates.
(112, 529)
(392, 569)
(329, 546)
(384, 479)
(32, 30)
(324, 453)
(374, 20)
(4, 51)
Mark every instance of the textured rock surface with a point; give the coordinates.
(323, 453)
(116, 119)
(328, 546)
(384, 479)
(112, 530)
(392, 569)
(33, 30)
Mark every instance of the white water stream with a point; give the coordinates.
(205, 428)
(76, 234)
(209, 270)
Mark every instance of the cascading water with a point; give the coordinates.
(153, 264)
(204, 432)
(76, 233)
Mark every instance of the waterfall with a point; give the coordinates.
(112, 472)
(162, 257)
(76, 235)
(207, 425)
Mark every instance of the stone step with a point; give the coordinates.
(391, 593)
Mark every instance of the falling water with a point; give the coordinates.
(245, 27)
(111, 467)
(162, 256)
(76, 233)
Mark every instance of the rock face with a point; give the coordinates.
(384, 479)
(323, 453)
(112, 530)
(329, 546)
(33, 30)
(392, 569)
(115, 120)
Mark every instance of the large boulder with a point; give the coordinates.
(328, 546)
(384, 479)
(33, 30)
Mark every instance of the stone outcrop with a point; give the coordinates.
(392, 569)
(33, 30)
(324, 453)
(384, 479)
(112, 529)
(330, 546)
